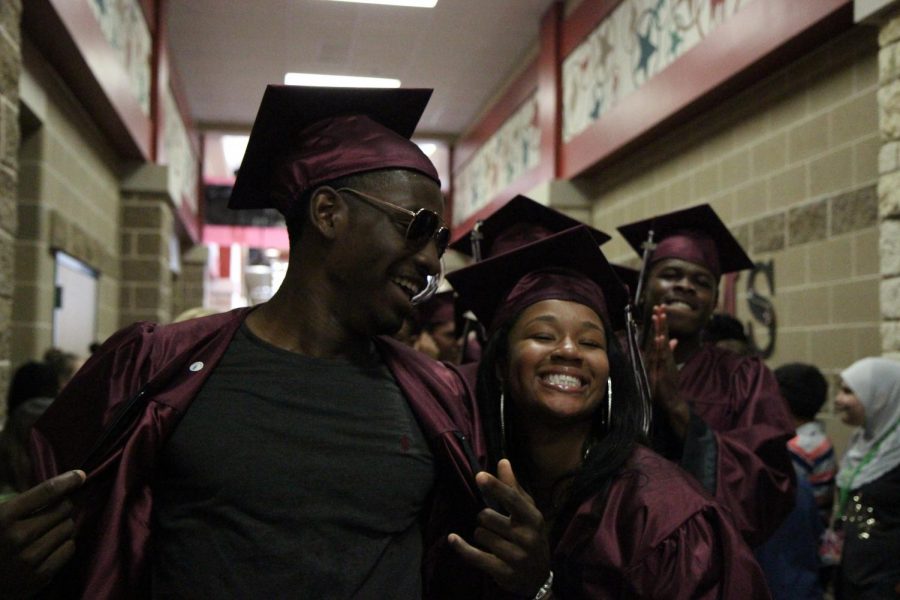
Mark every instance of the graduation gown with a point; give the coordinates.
(657, 535)
(736, 444)
(158, 371)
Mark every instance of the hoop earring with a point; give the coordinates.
(608, 402)
(502, 424)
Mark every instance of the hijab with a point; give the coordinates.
(876, 382)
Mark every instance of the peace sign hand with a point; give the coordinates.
(514, 550)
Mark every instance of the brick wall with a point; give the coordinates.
(791, 166)
(10, 65)
(889, 184)
(188, 286)
(146, 292)
(68, 199)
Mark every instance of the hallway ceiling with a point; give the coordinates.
(226, 52)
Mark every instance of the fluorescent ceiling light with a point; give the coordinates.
(339, 81)
(234, 146)
(415, 3)
(427, 148)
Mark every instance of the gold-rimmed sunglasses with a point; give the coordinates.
(422, 226)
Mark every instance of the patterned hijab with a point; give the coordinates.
(876, 382)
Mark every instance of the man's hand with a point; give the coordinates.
(662, 373)
(516, 550)
(36, 535)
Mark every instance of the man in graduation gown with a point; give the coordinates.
(718, 414)
(284, 450)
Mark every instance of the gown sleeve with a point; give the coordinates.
(704, 558)
(745, 436)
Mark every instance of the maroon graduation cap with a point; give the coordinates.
(695, 234)
(564, 266)
(306, 136)
(628, 276)
(518, 222)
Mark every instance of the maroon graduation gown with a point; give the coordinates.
(658, 535)
(737, 441)
(170, 364)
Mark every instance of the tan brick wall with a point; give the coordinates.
(188, 286)
(146, 291)
(791, 165)
(68, 200)
(10, 67)
(889, 183)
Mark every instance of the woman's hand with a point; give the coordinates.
(513, 550)
(662, 373)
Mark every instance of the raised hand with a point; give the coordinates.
(36, 535)
(514, 550)
(662, 372)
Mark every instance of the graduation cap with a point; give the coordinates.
(694, 234)
(628, 276)
(306, 136)
(564, 266)
(518, 222)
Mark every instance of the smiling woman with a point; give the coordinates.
(868, 514)
(596, 513)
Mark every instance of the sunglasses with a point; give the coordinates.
(423, 226)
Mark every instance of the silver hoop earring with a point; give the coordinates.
(502, 424)
(608, 402)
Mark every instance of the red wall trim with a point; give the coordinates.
(540, 77)
(584, 20)
(67, 33)
(549, 95)
(160, 75)
(748, 46)
(165, 77)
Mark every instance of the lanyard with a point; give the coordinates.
(845, 491)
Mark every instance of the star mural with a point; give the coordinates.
(647, 49)
(604, 50)
(676, 41)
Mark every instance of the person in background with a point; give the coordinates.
(868, 480)
(195, 312)
(727, 332)
(408, 333)
(716, 413)
(560, 407)
(790, 557)
(64, 363)
(33, 388)
(805, 390)
(247, 454)
(438, 336)
(34, 379)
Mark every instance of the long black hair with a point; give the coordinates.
(612, 438)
